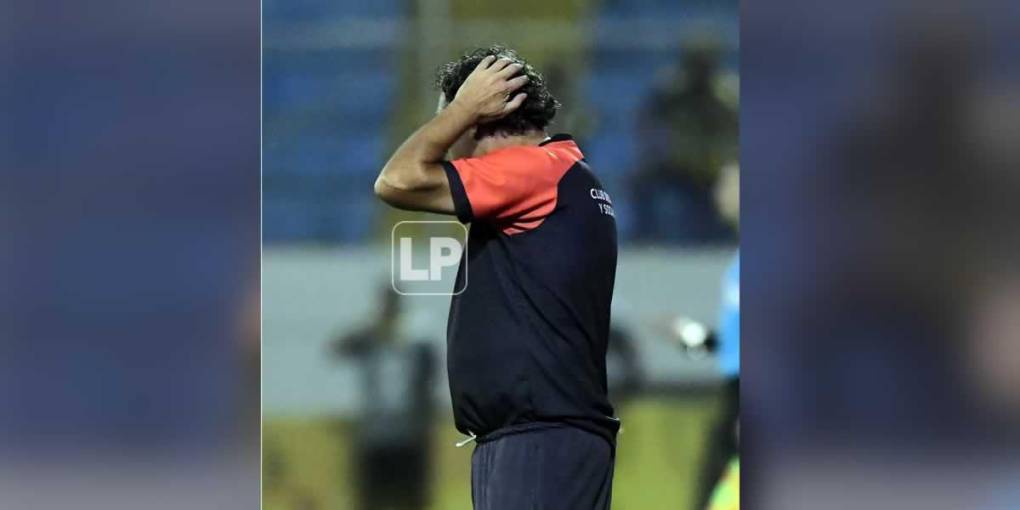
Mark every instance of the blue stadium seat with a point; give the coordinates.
(328, 111)
(358, 83)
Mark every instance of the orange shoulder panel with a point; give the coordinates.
(515, 188)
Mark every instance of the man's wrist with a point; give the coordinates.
(463, 111)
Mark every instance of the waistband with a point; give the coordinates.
(519, 429)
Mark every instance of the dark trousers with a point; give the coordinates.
(559, 468)
(393, 478)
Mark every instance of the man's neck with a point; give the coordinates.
(496, 142)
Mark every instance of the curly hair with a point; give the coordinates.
(538, 109)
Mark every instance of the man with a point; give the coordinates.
(720, 466)
(527, 338)
(393, 430)
(687, 130)
(723, 447)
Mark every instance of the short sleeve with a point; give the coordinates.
(506, 187)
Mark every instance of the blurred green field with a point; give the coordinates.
(306, 461)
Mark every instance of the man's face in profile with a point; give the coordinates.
(464, 147)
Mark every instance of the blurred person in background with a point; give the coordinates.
(527, 339)
(686, 134)
(720, 459)
(392, 433)
(723, 439)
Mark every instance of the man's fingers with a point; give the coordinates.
(484, 64)
(515, 103)
(516, 83)
(510, 70)
(500, 64)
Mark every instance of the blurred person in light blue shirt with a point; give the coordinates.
(723, 342)
(729, 321)
(722, 445)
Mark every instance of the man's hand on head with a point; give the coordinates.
(486, 93)
(414, 177)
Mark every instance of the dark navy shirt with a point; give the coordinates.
(527, 337)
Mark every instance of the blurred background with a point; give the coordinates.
(879, 140)
(355, 402)
(129, 255)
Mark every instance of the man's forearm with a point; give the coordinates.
(410, 166)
